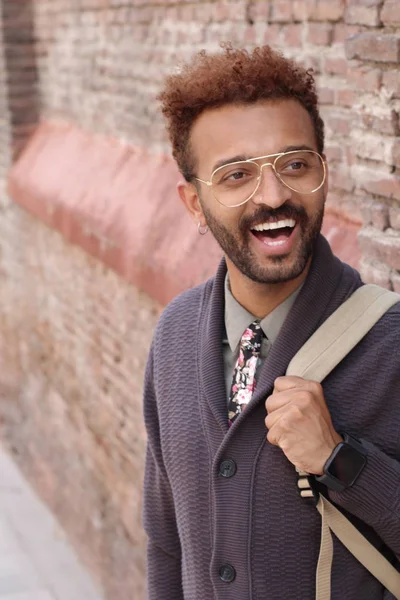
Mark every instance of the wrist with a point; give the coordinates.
(336, 439)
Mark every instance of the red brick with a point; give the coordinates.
(388, 125)
(342, 236)
(391, 81)
(365, 78)
(381, 246)
(345, 97)
(342, 32)
(303, 9)
(362, 15)
(326, 95)
(350, 155)
(380, 216)
(237, 10)
(249, 36)
(366, 3)
(313, 61)
(387, 186)
(272, 34)
(344, 204)
(204, 13)
(333, 153)
(394, 217)
(373, 47)
(339, 124)
(340, 180)
(376, 273)
(292, 35)
(366, 210)
(320, 34)
(329, 10)
(336, 66)
(259, 11)
(221, 12)
(186, 13)
(390, 14)
(396, 154)
(281, 11)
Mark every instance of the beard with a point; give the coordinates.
(273, 269)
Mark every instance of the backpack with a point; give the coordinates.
(324, 350)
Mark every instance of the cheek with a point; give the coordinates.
(229, 218)
(314, 203)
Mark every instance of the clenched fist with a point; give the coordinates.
(299, 423)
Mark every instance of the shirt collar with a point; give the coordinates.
(237, 318)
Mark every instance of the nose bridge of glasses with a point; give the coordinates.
(268, 164)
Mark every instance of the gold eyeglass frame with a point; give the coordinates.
(259, 178)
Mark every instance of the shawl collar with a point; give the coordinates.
(327, 286)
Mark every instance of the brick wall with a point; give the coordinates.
(114, 54)
(74, 339)
(5, 139)
(70, 365)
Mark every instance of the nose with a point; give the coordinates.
(271, 190)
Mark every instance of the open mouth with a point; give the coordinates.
(274, 233)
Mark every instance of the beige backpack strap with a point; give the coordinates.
(336, 337)
(357, 544)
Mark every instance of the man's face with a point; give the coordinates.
(272, 255)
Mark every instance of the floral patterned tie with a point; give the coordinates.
(243, 380)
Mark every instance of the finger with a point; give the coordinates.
(283, 383)
(273, 435)
(278, 400)
(273, 417)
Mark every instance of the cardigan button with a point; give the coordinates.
(227, 468)
(227, 573)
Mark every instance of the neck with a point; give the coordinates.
(260, 299)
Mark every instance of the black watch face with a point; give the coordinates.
(347, 464)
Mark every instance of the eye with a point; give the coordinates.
(296, 165)
(236, 175)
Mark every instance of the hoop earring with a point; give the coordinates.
(202, 230)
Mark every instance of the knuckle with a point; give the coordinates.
(316, 387)
(306, 399)
(287, 420)
(296, 413)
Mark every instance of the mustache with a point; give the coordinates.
(286, 211)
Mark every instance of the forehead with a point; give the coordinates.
(249, 130)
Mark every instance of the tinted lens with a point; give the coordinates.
(302, 171)
(235, 183)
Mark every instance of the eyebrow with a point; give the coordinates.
(242, 157)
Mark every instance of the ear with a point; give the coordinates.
(190, 198)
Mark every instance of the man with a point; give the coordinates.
(226, 428)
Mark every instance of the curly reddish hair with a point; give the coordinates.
(231, 76)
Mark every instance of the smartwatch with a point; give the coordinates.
(344, 465)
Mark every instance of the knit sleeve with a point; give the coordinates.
(163, 549)
(375, 497)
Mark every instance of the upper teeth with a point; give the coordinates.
(275, 225)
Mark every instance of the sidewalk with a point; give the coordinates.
(36, 561)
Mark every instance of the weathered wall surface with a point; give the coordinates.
(101, 62)
(74, 325)
(74, 339)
